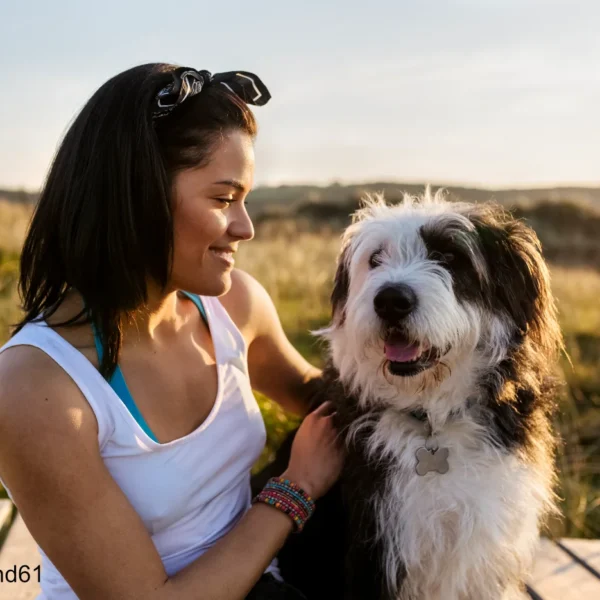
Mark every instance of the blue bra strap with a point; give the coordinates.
(117, 381)
(196, 300)
(118, 384)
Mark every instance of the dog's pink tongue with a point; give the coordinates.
(401, 352)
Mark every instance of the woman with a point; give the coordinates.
(127, 422)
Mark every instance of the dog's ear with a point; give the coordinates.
(518, 280)
(341, 284)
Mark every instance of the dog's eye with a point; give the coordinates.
(375, 259)
(442, 257)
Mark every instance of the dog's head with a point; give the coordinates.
(430, 291)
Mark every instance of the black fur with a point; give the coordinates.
(339, 295)
(514, 286)
(456, 250)
(495, 265)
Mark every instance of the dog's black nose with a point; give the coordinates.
(395, 302)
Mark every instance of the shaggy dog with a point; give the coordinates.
(442, 345)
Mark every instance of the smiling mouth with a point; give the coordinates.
(405, 357)
(224, 255)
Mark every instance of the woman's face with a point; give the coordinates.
(210, 218)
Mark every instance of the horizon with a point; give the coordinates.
(369, 182)
(494, 96)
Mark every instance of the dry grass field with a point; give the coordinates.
(297, 268)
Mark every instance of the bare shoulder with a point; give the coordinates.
(248, 304)
(37, 397)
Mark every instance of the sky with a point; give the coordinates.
(495, 93)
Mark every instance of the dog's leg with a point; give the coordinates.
(365, 575)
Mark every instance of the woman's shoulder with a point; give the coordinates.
(19, 362)
(36, 393)
(247, 303)
(47, 432)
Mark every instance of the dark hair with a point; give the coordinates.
(103, 224)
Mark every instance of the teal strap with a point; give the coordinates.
(117, 381)
(196, 300)
(118, 384)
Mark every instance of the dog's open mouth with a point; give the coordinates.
(405, 357)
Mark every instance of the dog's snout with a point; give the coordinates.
(395, 302)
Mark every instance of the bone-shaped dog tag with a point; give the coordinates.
(432, 460)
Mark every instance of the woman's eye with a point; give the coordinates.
(375, 259)
(227, 201)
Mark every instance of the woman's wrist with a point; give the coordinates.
(289, 498)
(300, 481)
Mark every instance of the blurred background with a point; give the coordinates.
(491, 99)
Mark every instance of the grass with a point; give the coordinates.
(297, 268)
(13, 224)
(577, 292)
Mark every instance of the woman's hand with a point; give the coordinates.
(317, 455)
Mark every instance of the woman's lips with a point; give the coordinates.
(225, 255)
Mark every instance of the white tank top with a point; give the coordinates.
(191, 491)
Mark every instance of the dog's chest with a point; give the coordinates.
(443, 520)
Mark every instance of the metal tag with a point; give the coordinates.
(432, 461)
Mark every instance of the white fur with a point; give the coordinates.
(464, 534)
(470, 533)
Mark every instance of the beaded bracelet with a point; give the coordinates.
(288, 497)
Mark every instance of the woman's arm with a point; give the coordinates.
(50, 461)
(277, 369)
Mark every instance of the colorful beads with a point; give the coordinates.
(290, 498)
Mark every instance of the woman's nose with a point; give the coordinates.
(241, 226)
